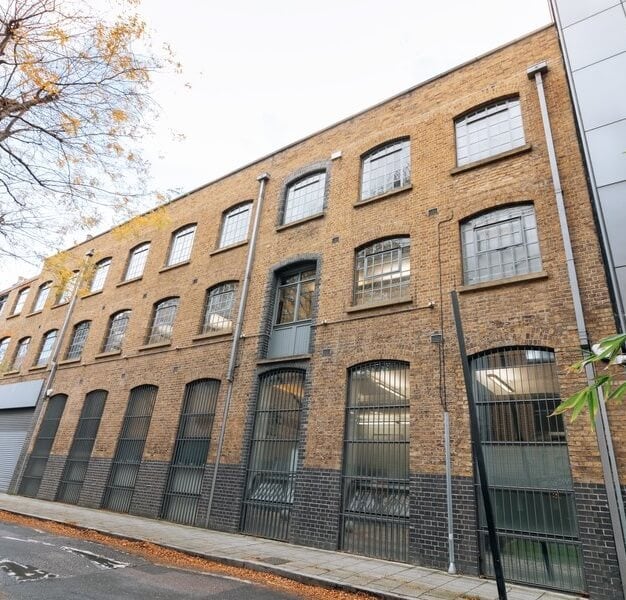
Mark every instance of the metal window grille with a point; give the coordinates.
(100, 275)
(68, 288)
(47, 345)
(182, 242)
(75, 469)
(273, 457)
(42, 296)
(382, 271)
(117, 330)
(137, 262)
(20, 353)
(129, 451)
(4, 344)
(184, 482)
(489, 131)
(527, 460)
(38, 459)
(305, 197)
(20, 301)
(219, 307)
(235, 225)
(79, 337)
(386, 169)
(501, 243)
(375, 504)
(162, 324)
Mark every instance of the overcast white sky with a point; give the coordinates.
(263, 74)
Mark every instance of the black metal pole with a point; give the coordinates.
(478, 451)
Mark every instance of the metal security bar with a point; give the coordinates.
(80, 452)
(528, 470)
(375, 506)
(31, 480)
(121, 483)
(184, 482)
(273, 455)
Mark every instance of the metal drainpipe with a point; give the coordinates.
(232, 363)
(54, 363)
(603, 432)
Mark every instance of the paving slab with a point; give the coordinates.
(386, 579)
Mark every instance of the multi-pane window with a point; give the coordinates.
(489, 131)
(137, 262)
(4, 344)
(20, 353)
(180, 248)
(42, 296)
(386, 168)
(3, 301)
(47, 345)
(235, 224)
(163, 321)
(501, 243)
(79, 337)
(305, 197)
(219, 307)
(99, 275)
(382, 271)
(20, 301)
(116, 332)
(68, 288)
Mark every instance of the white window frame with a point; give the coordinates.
(232, 230)
(302, 200)
(386, 168)
(137, 261)
(100, 273)
(181, 245)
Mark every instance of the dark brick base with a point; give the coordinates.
(226, 511)
(95, 482)
(149, 489)
(51, 477)
(315, 513)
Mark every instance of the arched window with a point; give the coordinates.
(162, 324)
(47, 346)
(100, 273)
(219, 307)
(181, 245)
(382, 271)
(20, 301)
(116, 331)
(137, 261)
(79, 337)
(375, 511)
(500, 243)
(42, 296)
(385, 168)
(67, 289)
(235, 224)
(4, 344)
(489, 131)
(305, 197)
(20, 353)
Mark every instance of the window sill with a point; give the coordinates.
(209, 336)
(13, 316)
(69, 361)
(281, 359)
(59, 305)
(170, 267)
(227, 248)
(90, 294)
(500, 282)
(32, 314)
(127, 281)
(13, 372)
(301, 221)
(388, 194)
(380, 304)
(108, 354)
(153, 346)
(38, 368)
(491, 159)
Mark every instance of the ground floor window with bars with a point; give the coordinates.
(75, 468)
(31, 480)
(273, 458)
(184, 482)
(516, 391)
(375, 505)
(129, 451)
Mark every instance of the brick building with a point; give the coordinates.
(322, 423)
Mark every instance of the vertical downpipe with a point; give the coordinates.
(232, 363)
(603, 432)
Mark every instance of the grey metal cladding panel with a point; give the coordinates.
(601, 91)
(613, 202)
(621, 280)
(596, 38)
(607, 147)
(20, 395)
(571, 11)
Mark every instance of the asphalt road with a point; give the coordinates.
(38, 565)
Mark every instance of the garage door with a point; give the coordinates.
(14, 424)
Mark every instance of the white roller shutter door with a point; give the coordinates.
(14, 424)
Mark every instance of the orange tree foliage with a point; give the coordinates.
(74, 104)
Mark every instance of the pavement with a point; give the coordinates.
(324, 568)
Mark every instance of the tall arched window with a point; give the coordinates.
(235, 224)
(20, 301)
(4, 344)
(67, 288)
(116, 331)
(386, 168)
(47, 347)
(181, 245)
(20, 353)
(305, 197)
(100, 273)
(218, 309)
(42, 296)
(137, 261)
(162, 325)
(79, 338)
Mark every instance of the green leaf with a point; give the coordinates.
(618, 393)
